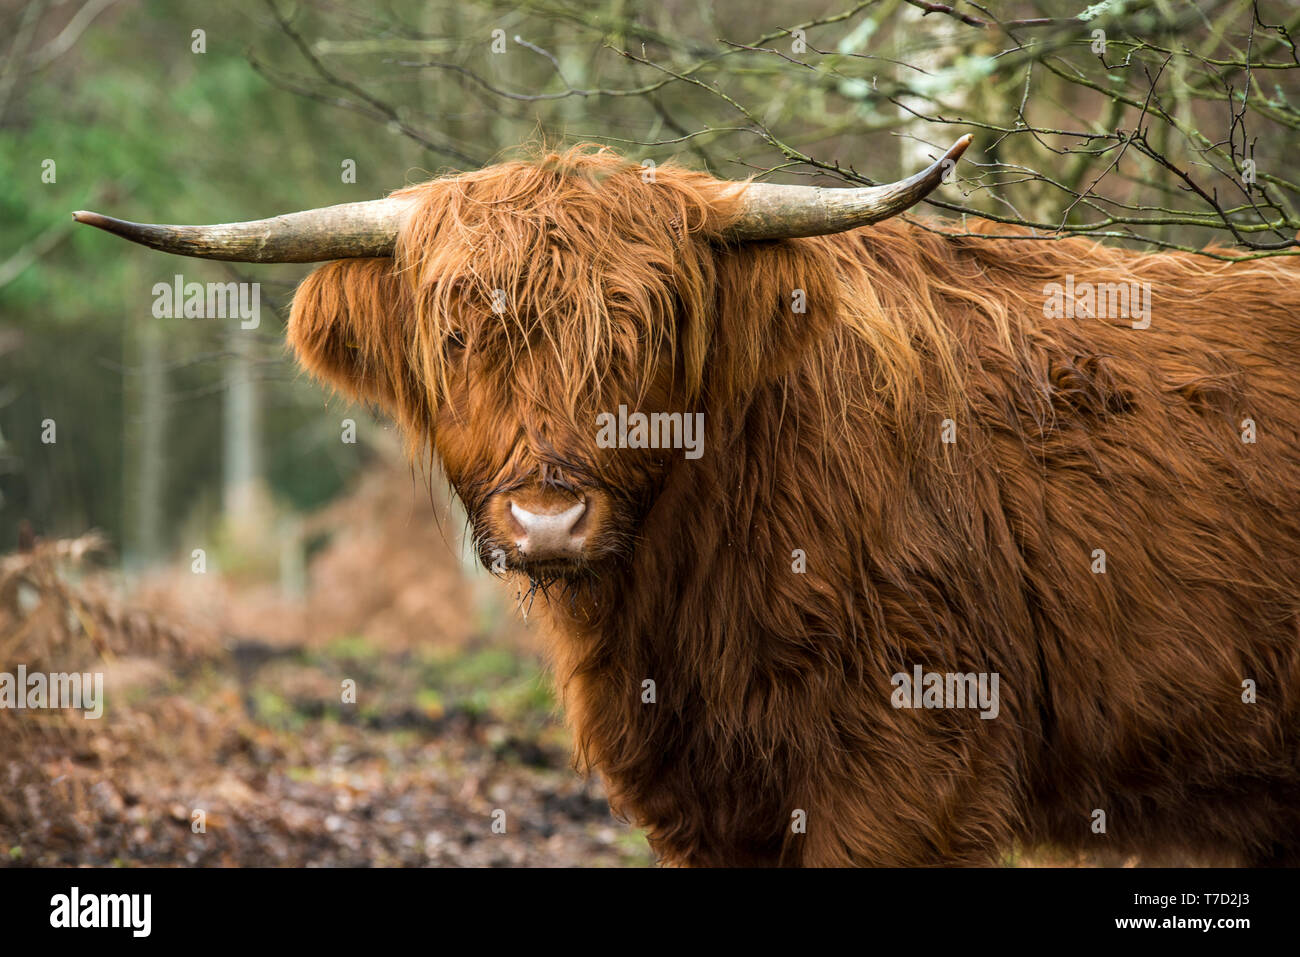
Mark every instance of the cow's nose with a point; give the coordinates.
(549, 534)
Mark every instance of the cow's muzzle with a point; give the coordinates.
(549, 535)
(544, 531)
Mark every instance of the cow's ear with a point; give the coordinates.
(348, 329)
(773, 301)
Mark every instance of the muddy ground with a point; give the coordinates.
(396, 712)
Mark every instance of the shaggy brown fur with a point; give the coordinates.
(1120, 691)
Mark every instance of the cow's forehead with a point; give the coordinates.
(583, 202)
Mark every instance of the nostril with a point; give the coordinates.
(521, 519)
(579, 519)
(518, 525)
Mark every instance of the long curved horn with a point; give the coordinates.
(769, 211)
(772, 211)
(313, 235)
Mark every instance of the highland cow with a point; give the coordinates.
(911, 465)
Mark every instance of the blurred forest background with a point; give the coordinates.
(1152, 123)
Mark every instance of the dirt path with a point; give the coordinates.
(285, 773)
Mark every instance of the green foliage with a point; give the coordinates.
(142, 128)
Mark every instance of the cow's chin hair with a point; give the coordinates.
(544, 575)
(556, 580)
